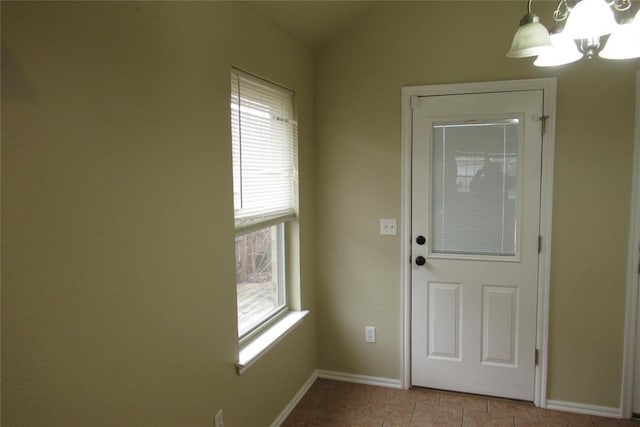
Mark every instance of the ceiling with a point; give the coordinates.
(314, 23)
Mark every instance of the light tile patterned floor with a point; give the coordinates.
(334, 403)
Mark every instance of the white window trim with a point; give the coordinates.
(258, 347)
(257, 330)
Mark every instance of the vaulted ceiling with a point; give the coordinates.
(313, 22)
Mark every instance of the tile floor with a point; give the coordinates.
(335, 403)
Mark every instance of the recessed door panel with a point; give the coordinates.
(444, 321)
(499, 325)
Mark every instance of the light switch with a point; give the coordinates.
(388, 226)
(370, 334)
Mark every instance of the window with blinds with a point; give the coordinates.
(264, 146)
(475, 188)
(264, 135)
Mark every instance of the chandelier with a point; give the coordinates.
(583, 28)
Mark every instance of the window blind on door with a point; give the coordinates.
(475, 188)
(264, 146)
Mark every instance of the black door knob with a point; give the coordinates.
(420, 260)
(420, 240)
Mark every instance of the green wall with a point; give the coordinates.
(358, 170)
(118, 288)
(118, 281)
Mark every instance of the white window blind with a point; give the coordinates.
(264, 138)
(475, 188)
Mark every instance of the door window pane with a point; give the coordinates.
(475, 188)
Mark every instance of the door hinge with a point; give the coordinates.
(539, 243)
(543, 122)
(536, 356)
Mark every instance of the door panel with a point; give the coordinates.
(499, 325)
(476, 198)
(444, 321)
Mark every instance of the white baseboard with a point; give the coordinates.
(581, 408)
(359, 379)
(296, 399)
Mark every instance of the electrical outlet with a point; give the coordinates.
(388, 226)
(370, 334)
(219, 420)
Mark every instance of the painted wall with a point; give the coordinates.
(358, 171)
(117, 227)
(118, 282)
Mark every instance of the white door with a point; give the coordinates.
(476, 172)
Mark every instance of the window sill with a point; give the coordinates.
(255, 349)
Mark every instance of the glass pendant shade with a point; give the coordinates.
(564, 51)
(624, 43)
(590, 19)
(531, 39)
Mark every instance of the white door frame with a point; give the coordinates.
(633, 259)
(548, 85)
